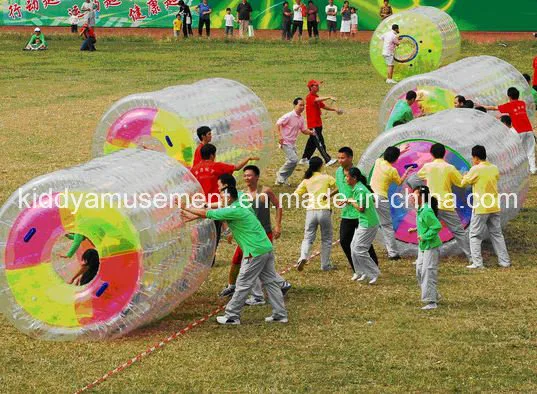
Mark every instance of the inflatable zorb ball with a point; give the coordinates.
(429, 38)
(459, 130)
(166, 120)
(482, 79)
(150, 260)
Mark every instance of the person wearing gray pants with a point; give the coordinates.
(483, 176)
(289, 125)
(427, 274)
(362, 261)
(257, 250)
(318, 218)
(453, 222)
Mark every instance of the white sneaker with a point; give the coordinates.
(331, 162)
(255, 301)
(280, 183)
(475, 266)
(355, 276)
(503, 265)
(391, 81)
(271, 319)
(415, 262)
(373, 281)
(224, 320)
(430, 306)
(361, 278)
(304, 162)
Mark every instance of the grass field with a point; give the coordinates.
(342, 336)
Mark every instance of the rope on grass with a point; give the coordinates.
(170, 338)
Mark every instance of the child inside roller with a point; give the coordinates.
(88, 270)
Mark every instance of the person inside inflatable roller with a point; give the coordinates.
(402, 111)
(37, 42)
(88, 269)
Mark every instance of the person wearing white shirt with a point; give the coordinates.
(73, 21)
(230, 19)
(331, 17)
(298, 21)
(89, 8)
(391, 41)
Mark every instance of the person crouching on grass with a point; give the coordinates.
(364, 201)
(258, 261)
(428, 226)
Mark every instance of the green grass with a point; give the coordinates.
(341, 336)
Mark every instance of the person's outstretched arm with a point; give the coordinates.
(244, 162)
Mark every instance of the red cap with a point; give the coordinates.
(314, 82)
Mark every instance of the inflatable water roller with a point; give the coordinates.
(459, 130)
(482, 79)
(166, 120)
(150, 260)
(429, 38)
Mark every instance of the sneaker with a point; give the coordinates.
(475, 266)
(373, 281)
(226, 321)
(415, 262)
(228, 291)
(391, 81)
(255, 301)
(281, 183)
(361, 278)
(329, 268)
(355, 276)
(331, 162)
(430, 306)
(272, 319)
(304, 162)
(286, 287)
(300, 265)
(503, 265)
(396, 257)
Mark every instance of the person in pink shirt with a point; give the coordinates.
(289, 125)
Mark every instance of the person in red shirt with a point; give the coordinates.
(534, 83)
(90, 39)
(207, 172)
(314, 104)
(516, 109)
(205, 136)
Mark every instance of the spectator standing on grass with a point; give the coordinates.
(354, 22)
(391, 40)
(345, 30)
(184, 10)
(244, 11)
(516, 109)
(314, 104)
(534, 83)
(385, 10)
(229, 20)
(331, 17)
(73, 21)
(349, 215)
(312, 20)
(88, 7)
(532, 88)
(298, 21)
(204, 18)
(177, 25)
(289, 125)
(287, 15)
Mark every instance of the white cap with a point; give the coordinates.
(37, 29)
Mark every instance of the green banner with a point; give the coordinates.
(470, 15)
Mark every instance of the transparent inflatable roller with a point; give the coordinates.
(459, 130)
(429, 38)
(150, 260)
(482, 79)
(166, 120)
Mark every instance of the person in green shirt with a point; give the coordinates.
(533, 89)
(364, 202)
(37, 41)
(258, 260)
(402, 113)
(349, 214)
(428, 227)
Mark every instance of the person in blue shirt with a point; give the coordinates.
(205, 18)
